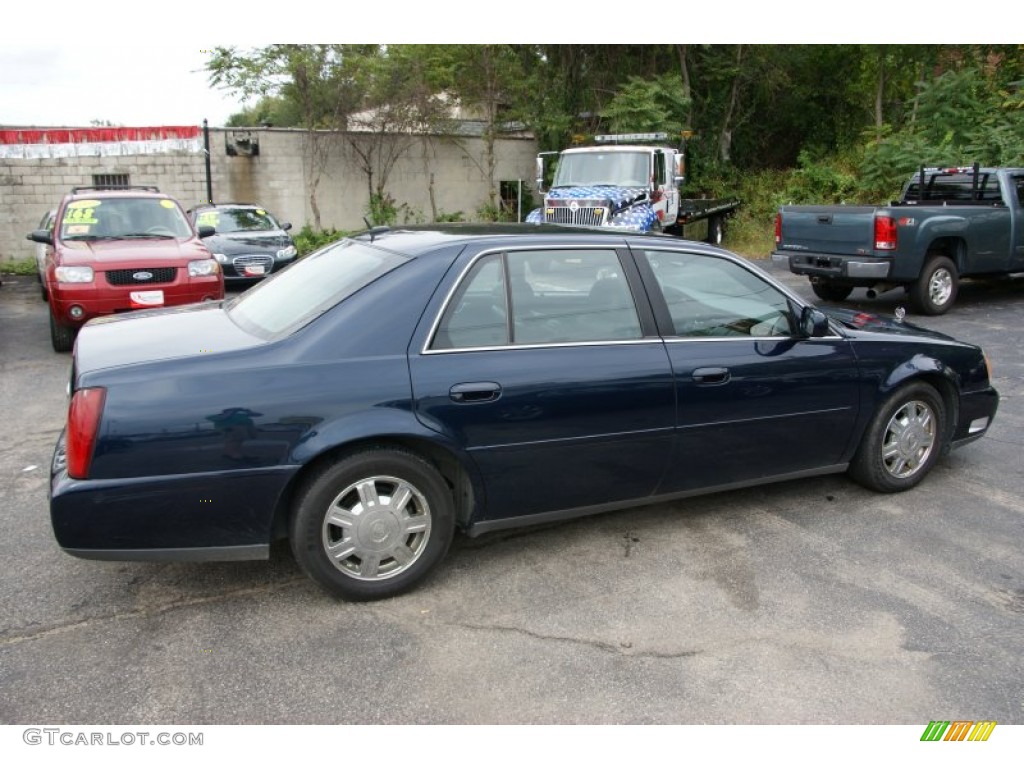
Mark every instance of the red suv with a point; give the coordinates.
(114, 250)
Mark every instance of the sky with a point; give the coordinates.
(137, 64)
(74, 84)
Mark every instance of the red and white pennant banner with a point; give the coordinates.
(32, 143)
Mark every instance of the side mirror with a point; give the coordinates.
(540, 173)
(43, 236)
(813, 323)
(205, 230)
(286, 226)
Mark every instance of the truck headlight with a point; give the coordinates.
(203, 268)
(286, 253)
(74, 274)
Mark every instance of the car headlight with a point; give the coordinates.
(74, 274)
(287, 253)
(203, 268)
(221, 258)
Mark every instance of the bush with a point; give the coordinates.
(384, 211)
(308, 239)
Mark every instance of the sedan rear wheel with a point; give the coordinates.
(903, 441)
(372, 525)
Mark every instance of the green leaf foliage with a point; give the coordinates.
(773, 123)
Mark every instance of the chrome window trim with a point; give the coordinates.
(677, 339)
(615, 248)
(550, 345)
(638, 252)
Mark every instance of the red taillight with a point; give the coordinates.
(885, 233)
(83, 425)
(778, 229)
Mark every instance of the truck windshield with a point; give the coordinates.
(115, 218)
(593, 169)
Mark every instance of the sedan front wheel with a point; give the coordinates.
(903, 441)
(372, 525)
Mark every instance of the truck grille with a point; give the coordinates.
(141, 276)
(585, 217)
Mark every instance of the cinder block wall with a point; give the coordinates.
(449, 169)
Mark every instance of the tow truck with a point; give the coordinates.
(633, 181)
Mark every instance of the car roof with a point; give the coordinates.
(422, 239)
(214, 206)
(79, 193)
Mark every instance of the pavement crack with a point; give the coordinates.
(621, 649)
(60, 629)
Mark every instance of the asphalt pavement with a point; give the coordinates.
(812, 601)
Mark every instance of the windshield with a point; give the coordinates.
(237, 220)
(295, 296)
(592, 169)
(123, 217)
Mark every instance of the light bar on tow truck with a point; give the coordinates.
(613, 138)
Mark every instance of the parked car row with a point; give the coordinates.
(107, 250)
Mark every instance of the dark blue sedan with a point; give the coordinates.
(396, 386)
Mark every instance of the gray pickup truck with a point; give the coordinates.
(950, 223)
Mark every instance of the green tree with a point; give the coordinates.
(310, 79)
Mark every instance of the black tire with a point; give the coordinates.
(390, 506)
(888, 461)
(61, 336)
(716, 230)
(935, 290)
(831, 291)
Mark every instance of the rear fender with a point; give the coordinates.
(390, 427)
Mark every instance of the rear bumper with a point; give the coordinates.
(850, 270)
(207, 516)
(977, 410)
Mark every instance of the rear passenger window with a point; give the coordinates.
(553, 297)
(477, 314)
(561, 297)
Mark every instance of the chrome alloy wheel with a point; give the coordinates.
(376, 528)
(940, 286)
(909, 439)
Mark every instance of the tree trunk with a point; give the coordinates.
(725, 135)
(314, 177)
(880, 96)
(684, 71)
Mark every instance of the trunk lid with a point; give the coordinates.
(146, 336)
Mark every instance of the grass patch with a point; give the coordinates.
(18, 267)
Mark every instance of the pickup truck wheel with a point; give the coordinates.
(373, 524)
(831, 291)
(61, 336)
(903, 441)
(716, 230)
(936, 288)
